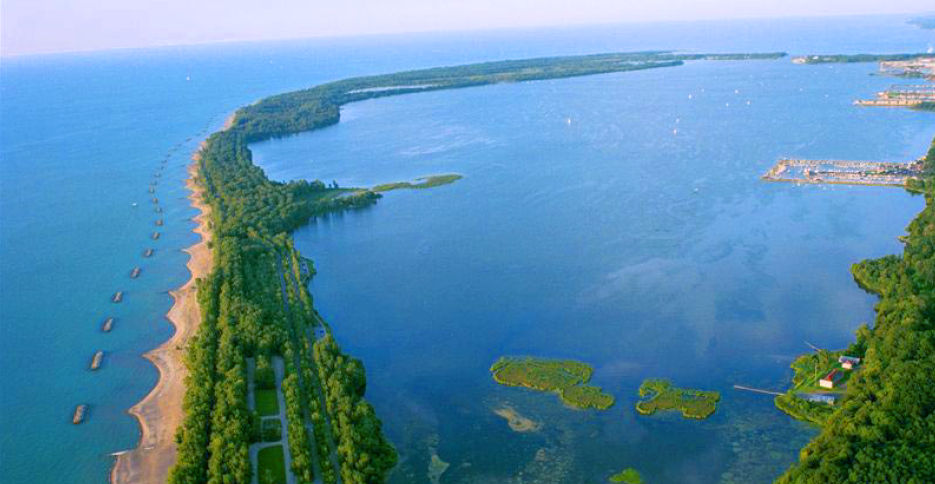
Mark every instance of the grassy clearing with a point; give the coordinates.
(662, 395)
(271, 465)
(266, 402)
(568, 378)
(421, 183)
(627, 476)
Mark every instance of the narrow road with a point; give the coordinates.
(307, 417)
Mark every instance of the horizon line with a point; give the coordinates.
(436, 31)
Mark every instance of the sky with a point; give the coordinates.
(42, 26)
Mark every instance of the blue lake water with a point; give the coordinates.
(608, 239)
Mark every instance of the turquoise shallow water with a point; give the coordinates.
(585, 240)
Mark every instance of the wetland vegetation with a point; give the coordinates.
(659, 394)
(568, 378)
(421, 183)
(627, 476)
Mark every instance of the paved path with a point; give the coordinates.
(280, 371)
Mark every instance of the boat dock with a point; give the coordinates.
(757, 390)
(844, 172)
(108, 325)
(97, 359)
(80, 413)
(901, 95)
(118, 297)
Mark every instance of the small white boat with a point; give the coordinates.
(133, 204)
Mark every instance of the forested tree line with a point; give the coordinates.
(884, 430)
(242, 301)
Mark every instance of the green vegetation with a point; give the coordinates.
(882, 430)
(662, 395)
(925, 106)
(627, 476)
(266, 402)
(255, 304)
(808, 369)
(568, 378)
(271, 464)
(424, 182)
(852, 58)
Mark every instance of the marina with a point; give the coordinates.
(843, 172)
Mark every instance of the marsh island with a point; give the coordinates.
(661, 395)
(568, 378)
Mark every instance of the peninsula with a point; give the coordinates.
(248, 300)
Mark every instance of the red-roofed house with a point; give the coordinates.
(830, 379)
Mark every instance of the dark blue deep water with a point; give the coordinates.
(585, 227)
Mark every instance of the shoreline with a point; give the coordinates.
(160, 412)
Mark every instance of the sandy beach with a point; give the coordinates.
(160, 412)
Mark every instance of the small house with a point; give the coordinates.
(830, 379)
(849, 362)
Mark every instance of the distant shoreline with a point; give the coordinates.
(160, 412)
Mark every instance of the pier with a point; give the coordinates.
(118, 297)
(108, 325)
(97, 359)
(844, 172)
(80, 412)
(757, 390)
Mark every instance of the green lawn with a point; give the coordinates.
(266, 403)
(271, 465)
